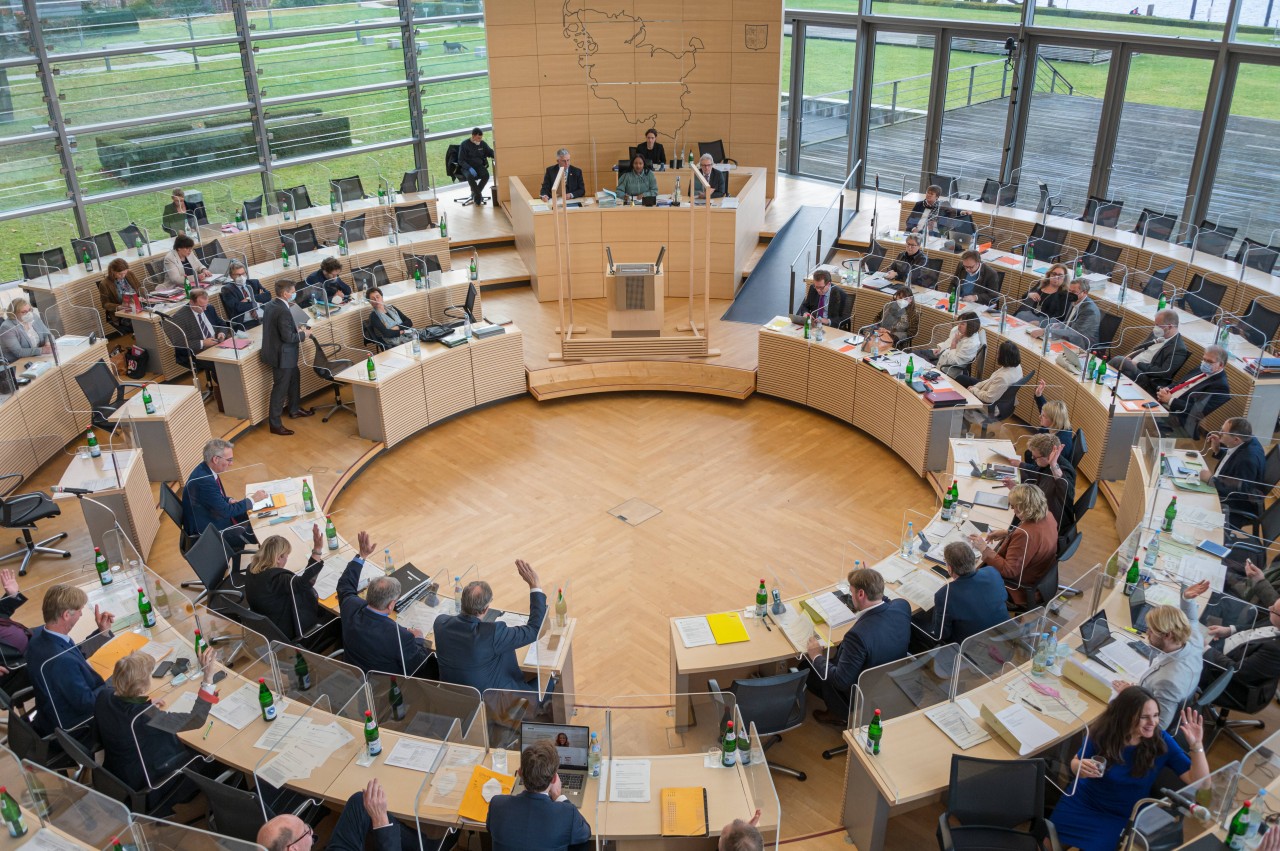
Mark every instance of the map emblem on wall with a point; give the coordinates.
(757, 36)
(667, 65)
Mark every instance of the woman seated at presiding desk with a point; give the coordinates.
(1124, 754)
(1025, 551)
(910, 259)
(24, 334)
(135, 750)
(386, 325)
(990, 389)
(1047, 301)
(958, 352)
(655, 156)
(113, 289)
(285, 598)
(639, 182)
(899, 318)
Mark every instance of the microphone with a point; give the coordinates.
(1182, 805)
(72, 491)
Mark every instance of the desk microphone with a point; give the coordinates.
(72, 491)
(1185, 806)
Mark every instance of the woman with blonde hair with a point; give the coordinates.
(134, 749)
(24, 334)
(1055, 418)
(1047, 300)
(1025, 551)
(287, 599)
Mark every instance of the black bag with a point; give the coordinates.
(135, 362)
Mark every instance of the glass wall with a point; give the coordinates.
(899, 109)
(1186, 19)
(1243, 193)
(979, 85)
(826, 109)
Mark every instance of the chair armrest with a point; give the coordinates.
(1051, 833)
(945, 842)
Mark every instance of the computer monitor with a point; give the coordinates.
(572, 742)
(470, 304)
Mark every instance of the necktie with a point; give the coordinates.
(205, 328)
(1184, 385)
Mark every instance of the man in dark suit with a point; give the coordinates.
(364, 818)
(973, 601)
(65, 683)
(373, 641)
(1083, 322)
(573, 185)
(243, 297)
(202, 328)
(540, 818)
(473, 159)
(1242, 466)
(205, 502)
(1201, 394)
(977, 283)
(826, 303)
(716, 179)
(880, 635)
(474, 653)
(281, 336)
(1157, 359)
(1254, 653)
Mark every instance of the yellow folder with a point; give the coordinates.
(684, 811)
(473, 805)
(728, 628)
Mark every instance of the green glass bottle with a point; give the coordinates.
(137, 245)
(396, 698)
(308, 501)
(948, 507)
(302, 672)
(417, 279)
(744, 748)
(186, 287)
(330, 533)
(104, 570)
(911, 368)
(1170, 514)
(373, 372)
(951, 300)
(444, 225)
(382, 197)
(562, 611)
(474, 270)
(1132, 578)
(12, 814)
(1100, 376)
(762, 600)
(148, 405)
(372, 739)
(88, 262)
(284, 257)
(1079, 268)
(875, 732)
(239, 221)
(266, 701)
(144, 610)
(1162, 303)
(729, 747)
(285, 209)
(200, 644)
(342, 244)
(1235, 834)
(333, 201)
(95, 451)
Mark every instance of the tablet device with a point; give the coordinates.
(991, 500)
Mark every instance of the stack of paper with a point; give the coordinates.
(920, 587)
(956, 723)
(894, 569)
(415, 754)
(778, 323)
(829, 609)
(238, 709)
(695, 632)
(1196, 568)
(327, 581)
(1129, 664)
(1019, 728)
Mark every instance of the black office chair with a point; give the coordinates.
(1204, 698)
(206, 251)
(326, 367)
(22, 511)
(298, 198)
(105, 392)
(949, 185)
(29, 745)
(1154, 287)
(252, 209)
(131, 234)
(348, 189)
(988, 803)
(413, 217)
(974, 367)
(1204, 297)
(429, 263)
(1257, 255)
(409, 183)
(1005, 404)
(716, 149)
(239, 813)
(1156, 225)
(1048, 203)
(98, 246)
(1106, 213)
(1047, 243)
(995, 192)
(1101, 258)
(774, 704)
(250, 619)
(353, 229)
(874, 258)
(1079, 447)
(36, 264)
(102, 780)
(373, 275)
(1259, 324)
(1238, 697)
(1067, 546)
(1108, 325)
(171, 505)
(300, 239)
(211, 563)
(1086, 501)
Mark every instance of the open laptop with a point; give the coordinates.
(572, 743)
(219, 266)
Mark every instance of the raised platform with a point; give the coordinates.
(620, 376)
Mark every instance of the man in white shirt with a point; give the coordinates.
(1253, 649)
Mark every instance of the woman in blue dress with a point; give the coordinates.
(1128, 736)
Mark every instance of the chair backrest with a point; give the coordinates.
(1261, 323)
(774, 704)
(451, 168)
(103, 780)
(24, 740)
(171, 504)
(206, 251)
(1204, 297)
(1154, 286)
(298, 198)
(208, 558)
(232, 812)
(413, 217)
(74, 749)
(99, 245)
(946, 183)
(995, 792)
(1086, 501)
(1101, 258)
(252, 208)
(1065, 553)
(1256, 255)
(716, 149)
(98, 384)
(35, 263)
(130, 234)
(1046, 200)
(1107, 327)
(409, 183)
(979, 360)
(1215, 242)
(1207, 695)
(1225, 230)
(624, 166)
(1007, 400)
(260, 624)
(424, 263)
(1106, 213)
(1271, 474)
(321, 364)
(348, 188)
(353, 229)
(375, 275)
(301, 239)
(1079, 446)
(1156, 225)
(995, 192)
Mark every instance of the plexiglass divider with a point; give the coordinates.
(173, 710)
(64, 806)
(814, 616)
(912, 684)
(986, 655)
(238, 647)
(427, 708)
(153, 834)
(308, 677)
(762, 793)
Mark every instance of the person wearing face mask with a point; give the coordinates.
(1083, 320)
(1047, 299)
(243, 297)
(385, 324)
(285, 598)
(899, 318)
(24, 334)
(281, 337)
(908, 261)
(1198, 395)
(1179, 639)
(823, 302)
(1157, 359)
(1242, 466)
(113, 289)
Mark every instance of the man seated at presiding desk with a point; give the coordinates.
(336, 290)
(1157, 359)
(1083, 322)
(182, 265)
(881, 634)
(480, 654)
(364, 817)
(65, 683)
(373, 641)
(243, 297)
(718, 179)
(1242, 468)
(639, 182)
(1194, 398)
(573, 185)
(202, 328)
(823, 302)
(972, 602)
(540, 818)
(205, 502)
(385, 324)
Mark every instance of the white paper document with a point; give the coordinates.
(833, 609)
(695, 632)
(1129, 664)
(1196, 568)
(419, 617)
(45, 839)
(239, 708)
(1202, 518)
(414, 754)
(895, 569)
(920, 587)
(629, 783)
(958, 725)
(327, 580)
(1031, 733)
(447, 786)
(391, 362)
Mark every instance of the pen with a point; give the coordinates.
(1032, 705)
(766, 623)
(208, 729)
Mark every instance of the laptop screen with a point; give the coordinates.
(572, 742)
(1095, 632)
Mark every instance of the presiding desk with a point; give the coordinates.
(637, 234)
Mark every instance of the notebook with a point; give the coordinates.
(684, 811)
(727, 627)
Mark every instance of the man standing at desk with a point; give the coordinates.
(1155, 362)
(373, 641)
(573, 185)
(473, 158)
(281, 336)
(880, 635)
(480, 654)
(65, 683)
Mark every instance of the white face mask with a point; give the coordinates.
(1157, 333)
(903, 302)
(241, 279)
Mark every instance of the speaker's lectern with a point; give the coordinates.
(634, 294)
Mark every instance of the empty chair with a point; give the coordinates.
(1154, 287)
(299, 240)
(409, 183)
(995, 192)
(414, 217)
(131, 235)
(22, 512)
(97, 246)
(326, 366)
(252, 209)
(1255, 255)
(373, 275)
(949, 185)
(1048, 203)
(37, 264)
(1079, 448)
(716, 149)
(171, 505)
(206, 251)
(1213, 239)
(1047, 243)
(988, 803)
(104, 391)
(1238, 696)
(211, 563)
(1100, 258)
(774, 704)
(1259, 324)
(353, 229)
(298, 198)
(423, 264)
(239, 813)
(874, 258)
(1102, 212)
(1155, 225)
(348, 189)
(1204, 297)
(1107, 328)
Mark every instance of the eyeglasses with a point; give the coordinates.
(310, 834)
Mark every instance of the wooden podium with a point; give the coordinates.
(634, 297)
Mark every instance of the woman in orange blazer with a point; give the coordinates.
(1026, 551)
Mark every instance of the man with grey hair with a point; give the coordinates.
(243, 297)
(1157, 359)
(973, 601)
(205, 502)
(373, 641)
(573, 184)
(718, 179)
(1197, 396)
(739, 835)
(479, 653)
(1083, 322)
